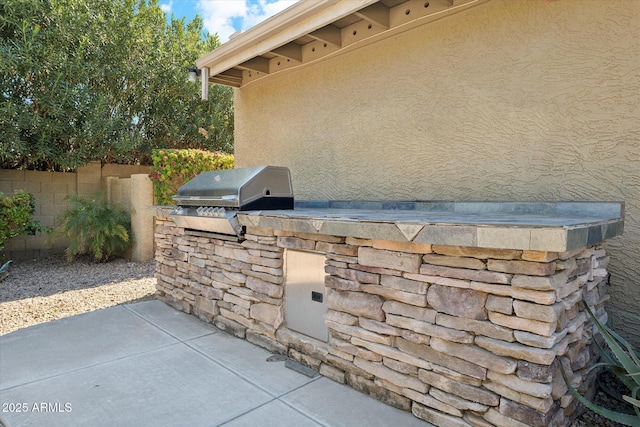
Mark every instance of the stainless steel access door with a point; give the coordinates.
(305, 295)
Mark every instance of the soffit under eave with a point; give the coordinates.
(341, 34)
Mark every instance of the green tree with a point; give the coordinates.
(104, 80)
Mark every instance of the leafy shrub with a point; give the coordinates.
(620, 358)
(172, 168)
(101, 80)
(16, 216)
(94, 226)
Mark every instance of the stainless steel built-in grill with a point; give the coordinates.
(210, 201)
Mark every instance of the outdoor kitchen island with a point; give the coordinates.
(461, 312)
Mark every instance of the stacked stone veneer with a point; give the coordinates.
(459, 336)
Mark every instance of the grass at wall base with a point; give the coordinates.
(623, 361)
(95, 227)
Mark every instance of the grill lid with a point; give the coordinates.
(261, 187)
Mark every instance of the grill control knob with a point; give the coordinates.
(206, 211)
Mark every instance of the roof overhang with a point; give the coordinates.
(310, 31)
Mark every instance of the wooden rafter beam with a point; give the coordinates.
(329, 34)
(256, 64)
(228, 78)
(232, 72)
(222, 80)
(377, 13)
(290, 51)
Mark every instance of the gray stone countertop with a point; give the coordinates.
(539, 226)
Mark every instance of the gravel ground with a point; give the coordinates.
(42, 290)
(39, 291)
(606, 400)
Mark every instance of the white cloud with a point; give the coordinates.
(224, 16)
(166, 8)
(263, 10)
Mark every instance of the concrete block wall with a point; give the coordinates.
(459, 336)
(135, 194)
(50, 190)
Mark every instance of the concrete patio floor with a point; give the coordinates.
(147, 364)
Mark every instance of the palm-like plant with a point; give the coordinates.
(624, 362)
(4, 270)
(94, 226)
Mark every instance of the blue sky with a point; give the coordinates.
(225, 16)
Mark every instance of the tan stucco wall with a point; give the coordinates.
(524, 100)
(135, 195)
